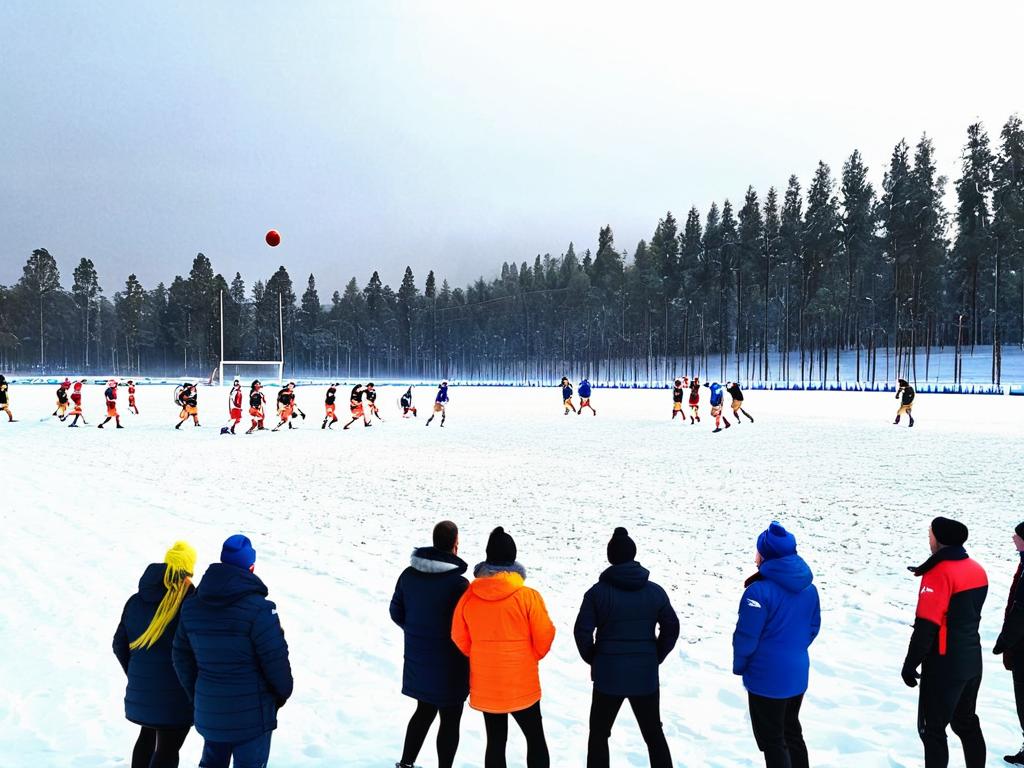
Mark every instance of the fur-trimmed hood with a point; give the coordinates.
(432, 560)
(485, 569)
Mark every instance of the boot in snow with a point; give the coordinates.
(1017, 759)
(911, 421)
(717, 429)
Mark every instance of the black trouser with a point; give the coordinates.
(776, 724)
(945, 702)
(158, 748)
(532, 726)
(447, 733)
(1018, 688)
(646, 709)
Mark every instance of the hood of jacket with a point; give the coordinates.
(629, 576)
(494, 583)
(224, 584)
(151, 585)
(789, 572)
(433, 560)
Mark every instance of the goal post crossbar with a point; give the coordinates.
(279, 364)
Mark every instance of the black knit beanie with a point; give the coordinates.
(621, 548)
(1019, 530)
(501, 549)
(949, 533)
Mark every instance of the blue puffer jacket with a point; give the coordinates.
(624, 607)
(154, 697)
(231, 656)
(584, 388)
(425, 597)
(566, 392)
(442, 395)
(716, 394)
(779, 618)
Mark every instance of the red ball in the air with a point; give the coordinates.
(273, 238)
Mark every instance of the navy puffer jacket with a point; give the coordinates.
(231, 656)
(425, 598)
(625, 609)
(154, 697)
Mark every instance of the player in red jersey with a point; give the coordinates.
(234, 408)
(110, 393)
(131, 398)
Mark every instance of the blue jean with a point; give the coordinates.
(248, 754)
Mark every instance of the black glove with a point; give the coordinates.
(1000, 647)
(910, 676)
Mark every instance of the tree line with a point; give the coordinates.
(797, 285)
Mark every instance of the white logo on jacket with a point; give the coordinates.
(926, 590)
(753, 603)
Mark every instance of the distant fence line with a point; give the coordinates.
(929, 388)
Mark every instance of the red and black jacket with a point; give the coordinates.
(946, 639)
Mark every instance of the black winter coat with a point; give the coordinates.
(154, 697)
(425, 597)
(231, 656)
(624, 608)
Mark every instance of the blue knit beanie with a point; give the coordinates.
(238, 551)
(776, 542)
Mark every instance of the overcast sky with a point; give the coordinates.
(452, 135)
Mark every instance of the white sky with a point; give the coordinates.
(452, 135)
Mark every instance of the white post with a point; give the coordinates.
(280, 320)
(222, 338)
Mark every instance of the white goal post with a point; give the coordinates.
(265, 364)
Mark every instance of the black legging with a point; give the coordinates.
(532, 726)
(447, 733)
(603, 711)
(158, 748)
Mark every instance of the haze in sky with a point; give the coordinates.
(452, 135)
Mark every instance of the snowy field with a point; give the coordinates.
(333, 517)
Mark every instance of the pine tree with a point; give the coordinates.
(1008, 207)
(86, 289)
(751, 248)
(40, 278)
(859, 244)
(973, 190)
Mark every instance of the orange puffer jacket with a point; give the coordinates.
(504, 629)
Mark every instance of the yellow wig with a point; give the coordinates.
(181, 562)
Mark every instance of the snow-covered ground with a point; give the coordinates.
(334, 515)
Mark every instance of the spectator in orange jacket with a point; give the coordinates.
(504, 629)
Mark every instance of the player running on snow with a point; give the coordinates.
(733, 388)
(439, 403)
(906, 402)
(329, 407)
(406, 403)
(5, 399)
(257, 401)
(131, 398)
(567, 396)
(717, 396)
(355, 404)
(76, 404)
(584, 392)
(234, 408)
(62, 400)
(677, 399)
(286, 406)
(371, 399)
(110, 393)
(188, 399)
(694, 401)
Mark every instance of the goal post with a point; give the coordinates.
(275, 367)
